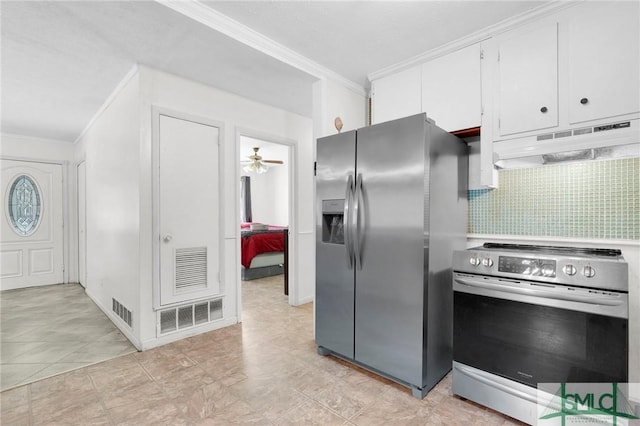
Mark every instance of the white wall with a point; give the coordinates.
(270, 196)
(23, 147)
(280, 203)
(331, 100)
(175, 93)
(59, 152)
(111, 147)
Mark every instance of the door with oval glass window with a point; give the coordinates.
(32, 226)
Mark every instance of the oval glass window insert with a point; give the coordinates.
(24, 205)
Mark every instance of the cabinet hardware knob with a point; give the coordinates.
(584, 101)
(543, 110)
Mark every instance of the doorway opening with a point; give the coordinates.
(49, 326)
(265, 200)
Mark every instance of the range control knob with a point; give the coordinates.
(474, 260)
(547, 270)
(569, 269)
(487, 261)
(588, 271)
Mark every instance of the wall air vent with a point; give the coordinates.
(191, 269)
(121, 311)
(190, 315)
(215, 309)
(168, 321)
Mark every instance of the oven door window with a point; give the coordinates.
(538, 344)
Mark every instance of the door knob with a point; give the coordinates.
(167, 238)
(584, 101)
(543, 109)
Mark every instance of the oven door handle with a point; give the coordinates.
(551, 294)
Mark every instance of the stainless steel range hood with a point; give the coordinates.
(610, 141)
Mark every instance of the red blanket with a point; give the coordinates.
(255, 244)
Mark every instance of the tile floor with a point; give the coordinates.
(48, 330)
(265, 371)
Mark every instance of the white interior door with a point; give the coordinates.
(189, 204)
(82, 224)
(32, 224)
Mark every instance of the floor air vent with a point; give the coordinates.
(191, 315)
(121, 311)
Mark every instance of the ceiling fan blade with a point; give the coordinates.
(273, 161)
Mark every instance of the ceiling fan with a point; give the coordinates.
(257, 164)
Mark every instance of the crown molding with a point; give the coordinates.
(480, 35)
(217, 21)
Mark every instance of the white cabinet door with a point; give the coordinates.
(528, 68)
(451, 93)
(604, 76)
(32, 234)
(397, 95)
(189, 210)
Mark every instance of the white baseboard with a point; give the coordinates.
(116, 321)
(304, 300)
(163, 340)
(193, 331)
(5, 287)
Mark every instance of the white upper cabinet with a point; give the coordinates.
(397, 95)
(451, 89)
(528, 81)
(575, 67)
(603, 51)
(538, 81)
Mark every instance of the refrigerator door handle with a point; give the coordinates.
(346, 221)
(356, 222)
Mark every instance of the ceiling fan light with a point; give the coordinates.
(261, 168)
(256, 167)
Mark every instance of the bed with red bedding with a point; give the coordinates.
(263, 251)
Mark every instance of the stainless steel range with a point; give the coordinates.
(526, 314)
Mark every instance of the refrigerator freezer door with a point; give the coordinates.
(335, 173)
(391, 237)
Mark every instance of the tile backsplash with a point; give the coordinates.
(593, 200)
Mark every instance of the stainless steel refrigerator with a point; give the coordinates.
(391, 209)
